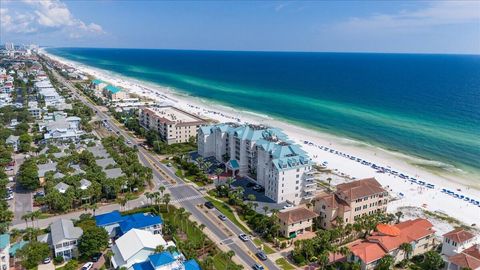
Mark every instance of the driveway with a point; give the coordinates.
(260, 197)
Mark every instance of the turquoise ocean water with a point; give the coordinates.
(426, 106)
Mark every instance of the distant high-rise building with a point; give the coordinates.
(9, 46)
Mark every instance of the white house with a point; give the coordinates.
(461, 250)
(13, 141)
(63, 238)
(135, 246)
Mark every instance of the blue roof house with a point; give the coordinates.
(166, 261)
(117, 225)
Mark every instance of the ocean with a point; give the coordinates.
(422, 105)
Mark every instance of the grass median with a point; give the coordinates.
(284, 264)
(228, 212)
(266, 248)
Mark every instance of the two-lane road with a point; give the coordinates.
(184, 194)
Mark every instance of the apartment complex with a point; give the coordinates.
(114, 93)
(172, 124)
(387, 240)
(265, 154)
(350, 201)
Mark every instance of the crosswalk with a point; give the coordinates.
(179, 200)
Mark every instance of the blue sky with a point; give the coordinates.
(356, 26)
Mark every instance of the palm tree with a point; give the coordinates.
(94, 208)
(109, 254)
(407, 249)
(251, 197)
(230, 254)
(35, 215)
(398, 215)
(385, 263)
(166, 200)
(159, 249)
(161, 189)
(265, 209)
(148, 195)
(218, 172)
(26, 217)
(230, 181)
(255, 205)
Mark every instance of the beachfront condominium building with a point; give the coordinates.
(349, 201)
(114, 93)
(264, 154)
(97, 87)
(173, 125)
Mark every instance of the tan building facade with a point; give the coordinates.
(349, 201)
(295, 221)
(172, 124)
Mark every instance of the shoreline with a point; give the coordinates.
(413, 194)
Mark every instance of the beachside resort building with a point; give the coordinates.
(387, 239)
(4, 251)
(114, 93)
(296, 221)
(350, 201)
(461, 250)
(263, 154)
(63, 238)
(172, 124)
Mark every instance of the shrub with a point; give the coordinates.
(58, 260)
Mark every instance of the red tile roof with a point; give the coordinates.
(377, 245)
(459, 235)
(470, 258)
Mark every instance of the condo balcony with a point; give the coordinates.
(308, 195)
(310, 188)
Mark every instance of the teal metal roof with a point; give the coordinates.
(234, 164)
(15, 247)
(113, 89)
(4, 240)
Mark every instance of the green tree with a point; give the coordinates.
(432, 261)
(24, 143)
(28, 175)
(93, 240)
(385, 263)
(407, 249)
(33, 253)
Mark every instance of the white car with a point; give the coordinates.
(87, 266)
(9, 197)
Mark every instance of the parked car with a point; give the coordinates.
(250, 184)
(47, 260)
(209, 205)
(243, 237)
(39, 194)
(287, 206)
(9, 197)
(257, 267)
(261, 255)
(222, 217)
(96, 257)
(87, 266)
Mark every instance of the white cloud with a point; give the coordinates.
(436, 14)
(41, 16)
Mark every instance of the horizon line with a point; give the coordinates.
(260, 51)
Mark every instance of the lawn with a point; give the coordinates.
(228, 212)
(284, 264)
(266, 248)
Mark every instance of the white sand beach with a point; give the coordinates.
(409, 189)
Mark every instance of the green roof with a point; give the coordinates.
(4, 240)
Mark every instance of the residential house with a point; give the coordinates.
(167, 261)
(349, 201)
(114, 173)
(172, 124)
(4, 251)
(63, 238)
(105, 162)
(43, 169)
(387, 239)
(85, 184)
(116, 224)
(135, 246)
(295, 221)
(61, 187)
(264, 154)
(460, 250)
(63, 129)
(13, 141)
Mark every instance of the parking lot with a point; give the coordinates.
(260, 197)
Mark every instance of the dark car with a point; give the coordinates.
(257, 267)
(96, 257)
(209, 205)
(261, 256)
(250, 184)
